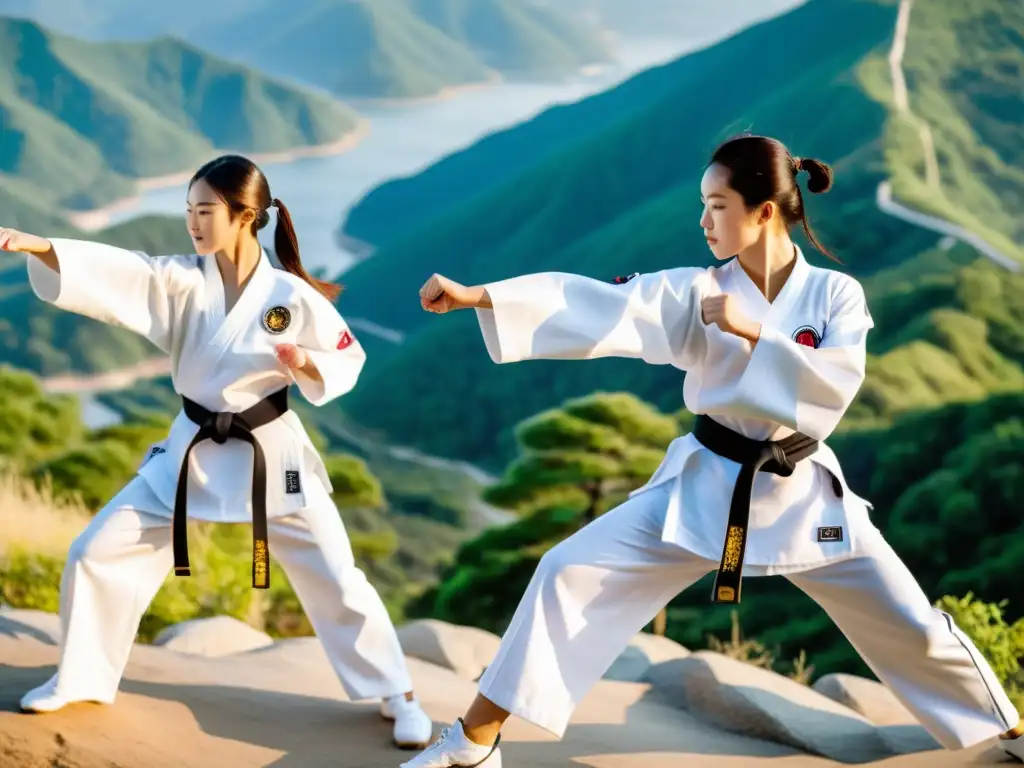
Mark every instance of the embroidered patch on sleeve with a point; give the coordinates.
(626, 278)
(345, 340)
(807, 336)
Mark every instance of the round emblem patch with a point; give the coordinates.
(277, 319)
(807, 336)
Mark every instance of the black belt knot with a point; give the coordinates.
(777, 457)
(220, 427)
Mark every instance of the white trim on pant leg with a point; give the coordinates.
(611, 578)
(314, 550)
(1001, 703)
(876, 602)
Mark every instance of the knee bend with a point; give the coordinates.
(556, 564)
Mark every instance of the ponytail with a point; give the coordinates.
(818, 183)
(286, 244)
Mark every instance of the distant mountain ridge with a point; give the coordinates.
(80, 120)
(352, 48)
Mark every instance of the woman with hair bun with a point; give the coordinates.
(774, 353)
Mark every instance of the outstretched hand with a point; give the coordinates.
(12, 240)
(291, 356)
(440, 295)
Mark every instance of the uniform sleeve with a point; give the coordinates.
(809, 389)
(333, 349)
(558, 316)
(123, 288)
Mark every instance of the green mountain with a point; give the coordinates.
(624, 198)
(969, 100)
(518, 37)
(384, 48)
(79, 121)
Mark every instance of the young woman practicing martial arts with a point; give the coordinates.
(239, 332)
(774, 352)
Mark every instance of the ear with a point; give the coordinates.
(248, 216)
(766, 213)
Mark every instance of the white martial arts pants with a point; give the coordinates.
(118, 563)
(594, 591)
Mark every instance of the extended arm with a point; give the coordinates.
(109, 284)
(561, 316)
(809, 389)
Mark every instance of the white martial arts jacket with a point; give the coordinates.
(800, 376)
(225, 361)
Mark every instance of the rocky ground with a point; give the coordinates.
(218, 693)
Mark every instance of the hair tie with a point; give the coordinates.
(275, 203)
(798, 165)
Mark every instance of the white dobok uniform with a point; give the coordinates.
(592, 592)
(225, 361)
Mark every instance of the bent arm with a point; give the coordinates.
(334, 357)
(809, 389)
(560, 316)
(108, 284)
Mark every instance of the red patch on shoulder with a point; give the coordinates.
(345, 340)
(807, 337)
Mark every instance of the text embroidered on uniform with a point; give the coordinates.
(154, 451)
(807, 336)
(734, 538)
(830, 533)
(345, 340)
(291, 481)
(260, 563)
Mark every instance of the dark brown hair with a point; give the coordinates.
(242, 186)
(762, 169)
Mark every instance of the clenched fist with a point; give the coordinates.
(440, 295)
(724, 312)
(290, 355)
(12, 240)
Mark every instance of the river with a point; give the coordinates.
(404, 139)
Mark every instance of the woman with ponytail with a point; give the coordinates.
(774, 352)
(239, 333)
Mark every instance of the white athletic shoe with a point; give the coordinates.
(1013, 747)
(44, 699)
(413, 727)
(454, 750)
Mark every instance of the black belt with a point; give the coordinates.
(779, 458)
(219, 427)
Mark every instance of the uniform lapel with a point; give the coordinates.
(772, 313)
(228, 324)
(790, 293)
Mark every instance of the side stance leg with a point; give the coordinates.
(916, 650)
(587, 599)
(113, 571)
(348, 616)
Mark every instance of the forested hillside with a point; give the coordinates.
(625, 198)
(79, 121)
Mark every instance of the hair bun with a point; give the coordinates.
(820, 174)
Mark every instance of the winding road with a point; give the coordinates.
(884, 196)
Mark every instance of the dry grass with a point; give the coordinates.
(755, 653)
(32, 520)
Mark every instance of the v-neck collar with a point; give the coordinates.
(255, 291)
(786, 296)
